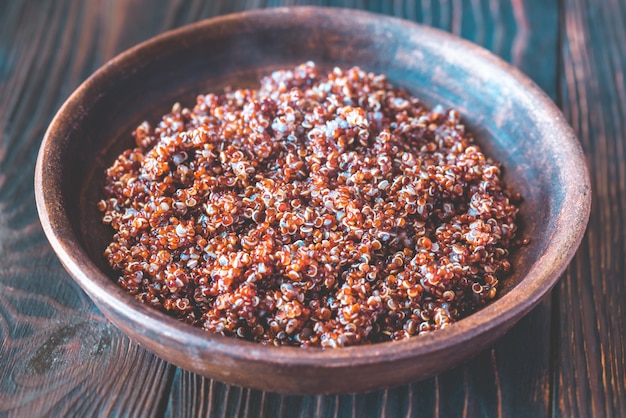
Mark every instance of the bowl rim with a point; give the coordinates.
(542, 276)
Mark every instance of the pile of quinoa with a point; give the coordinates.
(321, 210)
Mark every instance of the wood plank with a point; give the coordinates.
(59, 356)
(511, 379)
(590, 378)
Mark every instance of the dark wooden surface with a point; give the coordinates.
(60, 357)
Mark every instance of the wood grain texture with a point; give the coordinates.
(59, 357)
(589, 377)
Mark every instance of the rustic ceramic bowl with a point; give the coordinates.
(513, 121)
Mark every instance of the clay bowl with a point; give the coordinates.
(512, 119)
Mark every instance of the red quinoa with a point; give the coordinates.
(319, 210)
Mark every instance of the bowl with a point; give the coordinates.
(512, 119)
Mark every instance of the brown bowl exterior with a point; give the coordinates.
(512, 119)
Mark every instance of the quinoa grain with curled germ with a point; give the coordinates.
(319, 210)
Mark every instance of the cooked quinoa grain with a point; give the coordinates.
(319, 210)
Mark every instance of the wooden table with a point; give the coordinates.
(61, 357)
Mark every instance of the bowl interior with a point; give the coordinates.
(511, 119)
(240, 58)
